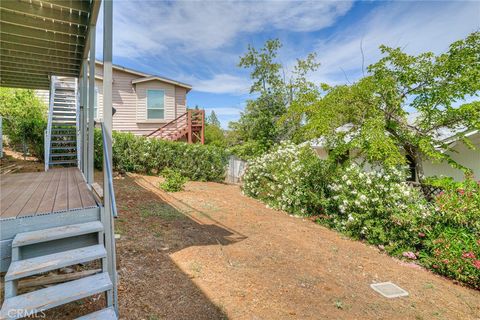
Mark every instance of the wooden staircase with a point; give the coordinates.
(188, 127)
(35, 302)
(61, 135)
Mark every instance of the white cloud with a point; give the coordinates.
(415, 26)
(155, 27)
(224, 111)
(222, 83)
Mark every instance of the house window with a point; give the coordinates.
(155, 104)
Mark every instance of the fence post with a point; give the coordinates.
(202, 134)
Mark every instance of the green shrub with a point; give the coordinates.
(459, 205)
(290, 177)
(174, 181)
(144, 155)
(453, 252)
(379, 207)
(24, 120)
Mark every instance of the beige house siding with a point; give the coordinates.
(43, 95)
(180, 100)
(130, 101)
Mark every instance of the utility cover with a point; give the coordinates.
(389, 290)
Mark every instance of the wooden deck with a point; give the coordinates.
(30, 194)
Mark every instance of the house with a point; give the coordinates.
(143, 102)
(460, 153)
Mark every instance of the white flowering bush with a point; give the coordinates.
(290, 178)
(378, 206)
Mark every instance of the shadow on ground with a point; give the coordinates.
(151, 285)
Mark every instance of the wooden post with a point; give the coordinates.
(112, 299)
(91, 106)
(189, 126)
(203, 127)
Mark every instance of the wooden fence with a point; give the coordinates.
(235, 170)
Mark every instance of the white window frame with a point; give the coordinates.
(146, 105)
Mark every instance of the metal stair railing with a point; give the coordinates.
(48, 131)
(107, 220)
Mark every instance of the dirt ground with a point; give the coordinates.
(211, 253)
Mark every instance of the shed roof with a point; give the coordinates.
(40, 38)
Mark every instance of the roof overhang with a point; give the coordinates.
(148, 77)
(39, 39)
(156, 78)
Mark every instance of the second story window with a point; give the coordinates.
(155, 104)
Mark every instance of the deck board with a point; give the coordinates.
(86, 194)
(46, 204)
(61, 198)
(57, 190)
(13, 204)
(35, 200)
(74, 198)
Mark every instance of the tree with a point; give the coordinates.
(379, 107)
(213, 119)
(214, 134)
(24, 119)
(262, 124)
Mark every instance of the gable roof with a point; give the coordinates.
(143, 77)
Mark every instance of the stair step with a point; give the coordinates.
(57, 295)
(25, 268)
(105, 314)
(44, 235)
(64, 112)
(63, 123)
(52, 155)
(63, 117)
(63, 102)
(63, 107)
(63, 135)
(60, 129)
(62, 162)
(62, 141)
(64, 148)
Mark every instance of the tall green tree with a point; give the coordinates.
(262, 124)
(402, 104)
(214, 134)
(213, 119)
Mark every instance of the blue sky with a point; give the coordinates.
(200, 42)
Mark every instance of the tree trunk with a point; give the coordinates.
(416, 155)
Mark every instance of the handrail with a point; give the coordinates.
(78, 122)
(48, 133)
(109, 172)
(167, 124)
